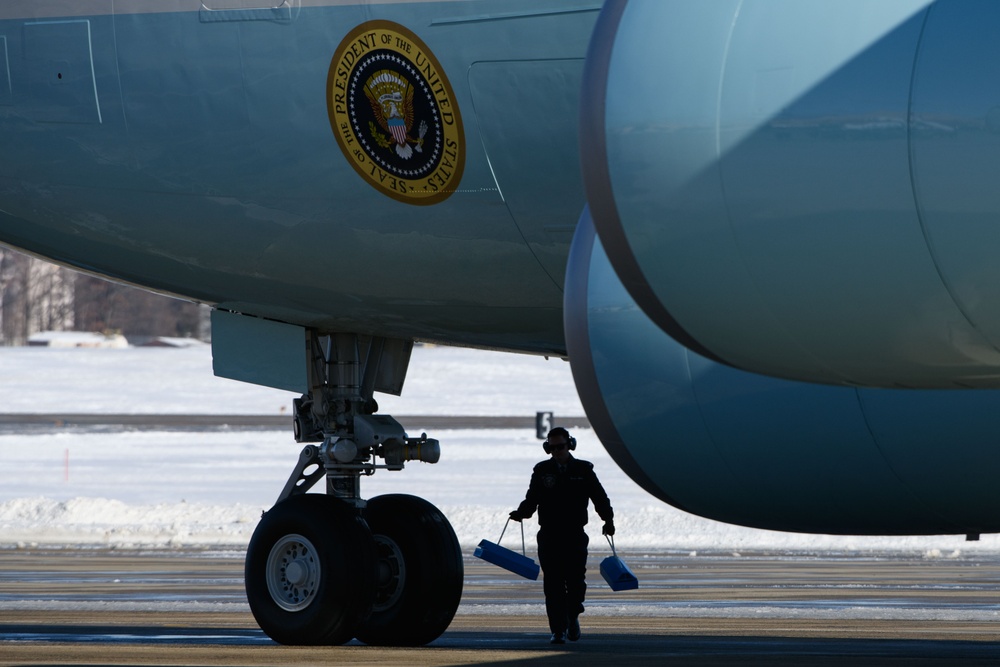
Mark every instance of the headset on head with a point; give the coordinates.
(559, 430)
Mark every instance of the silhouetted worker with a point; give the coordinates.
(560, 488)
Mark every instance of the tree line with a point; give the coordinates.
(36, 296)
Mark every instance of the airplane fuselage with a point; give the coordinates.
(247, 195)
(761, 231)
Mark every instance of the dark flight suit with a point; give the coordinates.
(561, 499)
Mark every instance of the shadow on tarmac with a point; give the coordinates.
(504, 649)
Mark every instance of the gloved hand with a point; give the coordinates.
(517, 516)
(609, 528)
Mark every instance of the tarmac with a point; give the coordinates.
(65, 606)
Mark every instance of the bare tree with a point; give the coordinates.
(105, 306)
(39, 296)
(34, 296)
(13, 297)
(50, 295)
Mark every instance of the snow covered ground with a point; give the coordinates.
(189, 488)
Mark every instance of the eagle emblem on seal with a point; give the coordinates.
(394, 114)
(391, 99)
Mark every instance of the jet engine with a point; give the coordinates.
(772, 453)
(804, 188)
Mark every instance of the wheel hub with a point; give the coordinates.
(296, 573)
(391, 573)
(293, 572)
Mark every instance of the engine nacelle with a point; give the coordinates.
(805, 188)
(771, 453)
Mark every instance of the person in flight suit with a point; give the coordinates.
(559, 489)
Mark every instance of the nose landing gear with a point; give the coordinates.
(323, 569)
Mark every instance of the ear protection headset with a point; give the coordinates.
(559, 430)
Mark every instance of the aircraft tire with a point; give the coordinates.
(310, 575)
(420, 572)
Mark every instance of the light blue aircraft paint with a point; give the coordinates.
(766, 452)
(191, 151)
(793, 189)
(800, 188)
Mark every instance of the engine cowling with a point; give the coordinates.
(771, 453)
(804, 188)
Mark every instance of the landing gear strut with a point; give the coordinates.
(323, 569)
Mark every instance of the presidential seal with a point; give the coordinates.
(394, 114)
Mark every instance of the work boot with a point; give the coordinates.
(558, 638)
(573, 631)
